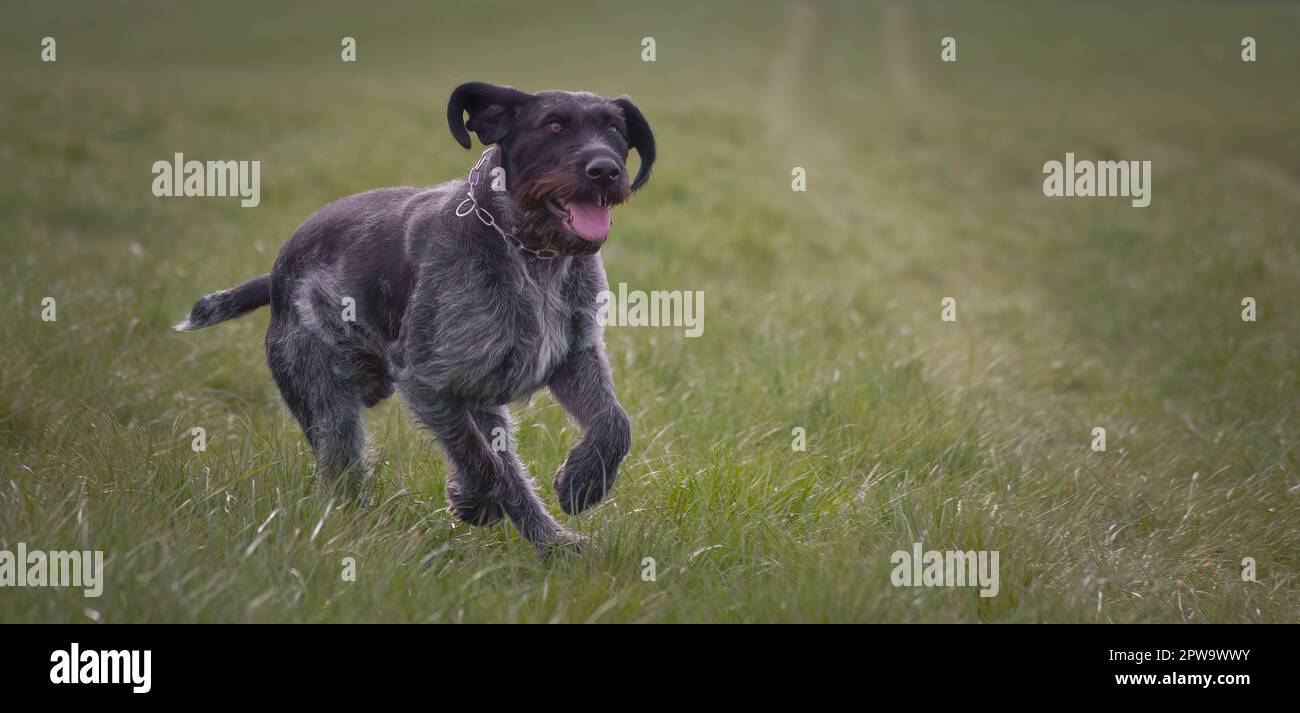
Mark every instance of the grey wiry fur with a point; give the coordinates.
(228, 304)
(459, 321)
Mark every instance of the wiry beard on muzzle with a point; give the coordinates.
(544, 200)
(537, 224)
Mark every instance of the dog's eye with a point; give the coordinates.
(555, 127)
(611, 130)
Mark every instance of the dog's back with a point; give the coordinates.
(352, 249)
(366, 231)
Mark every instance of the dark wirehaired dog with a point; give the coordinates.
(465, 297)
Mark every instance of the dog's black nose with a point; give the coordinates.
(602, 170)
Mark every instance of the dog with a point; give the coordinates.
(465, 297)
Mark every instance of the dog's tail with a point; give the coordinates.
(228, 304)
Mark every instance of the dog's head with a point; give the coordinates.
(564, 153)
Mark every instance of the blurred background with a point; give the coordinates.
(924, 181)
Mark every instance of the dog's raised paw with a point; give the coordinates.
(580, 484)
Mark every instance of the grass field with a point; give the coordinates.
(822, 311)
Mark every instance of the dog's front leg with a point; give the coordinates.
(481, 484)
(515, 490)
(585, 388)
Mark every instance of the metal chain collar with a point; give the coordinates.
(469, 205)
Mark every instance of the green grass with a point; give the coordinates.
(821, 312)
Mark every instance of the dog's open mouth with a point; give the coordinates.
(588, 220)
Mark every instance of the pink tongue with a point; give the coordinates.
(589, 220)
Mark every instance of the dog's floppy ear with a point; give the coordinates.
(491, 110)
(640, 138)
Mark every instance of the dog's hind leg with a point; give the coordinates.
(319, 388)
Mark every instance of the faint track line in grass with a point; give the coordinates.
(783, 95)
(897, 23)
(1268, 175)
(801, 28)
